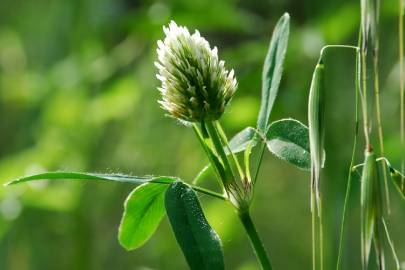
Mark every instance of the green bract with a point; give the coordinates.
(195, 84)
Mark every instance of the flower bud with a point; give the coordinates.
(195, 84)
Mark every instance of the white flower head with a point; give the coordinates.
(195, 84)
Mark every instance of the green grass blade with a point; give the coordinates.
(92, 177)
(288, 139)
(143, 212)
(200, 244)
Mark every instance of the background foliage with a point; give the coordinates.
(78, 92)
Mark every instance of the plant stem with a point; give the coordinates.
(349, 177)
(378, 111)
(401, 81)
(363, 70)
(219, 170)
(219, 148)
(208, 192)
(320, 233)
(313, 226)
(257, 244)
(225, 141)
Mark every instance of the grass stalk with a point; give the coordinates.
(376, 74)
(313, 225)
(401, 82)
(349, 177)
(321, 253)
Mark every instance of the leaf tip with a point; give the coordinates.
(9, 183)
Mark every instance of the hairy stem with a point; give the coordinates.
(257, 244)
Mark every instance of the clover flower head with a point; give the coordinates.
(195, 84)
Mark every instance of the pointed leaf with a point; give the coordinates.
(272, 70)
(143, 211)
(200, 244)
(92, 176)
(288, 139)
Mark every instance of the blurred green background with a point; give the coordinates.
(78, 92)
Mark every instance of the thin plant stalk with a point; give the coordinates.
(378, 105)
(391, 244)
(213, 133)
(401, 82)
(313, 226)
(363, 62)
(226, 143)
(321, 253)
(349, 177)
(257, 244)
(219, 170)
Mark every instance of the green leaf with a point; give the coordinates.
(241, 140)
(288, 139)
(200, 244)
(271, 77)
(272, 70)
(93, 176)
(143, 211)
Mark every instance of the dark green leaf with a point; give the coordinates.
(199, 242)
(272, 70)
(143, 211)
(288, 139)
(93, 176)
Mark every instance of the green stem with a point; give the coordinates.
(321, 233)
(378, 115)
(313, 226)
(349, 177)
(213, 133)
(208, 192)
(219, 170)
(257, 244)
(401, 81)
(225, 141)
